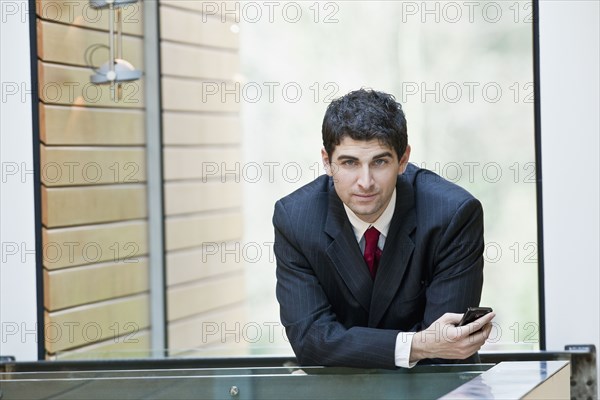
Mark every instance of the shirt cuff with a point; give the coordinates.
(402, 353)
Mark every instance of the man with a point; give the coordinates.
(377, 259)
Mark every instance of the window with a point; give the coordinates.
(464, 74)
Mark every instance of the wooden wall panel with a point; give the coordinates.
(134, 344)
(194, 197)
(197, 129)
(191, 231)
(68, 166)
(79, 205)
(196, 5)
(231, 10)
(202, 163)
(201, 262)
(60, 125)
(196, 62)
(194, 28)
(209, 333)
(201, 93)
(71, 287)
(68, 44)
(206, 96)
(207, 295)
(62, 84)
(80, 13)
(93, 173)
(230, 348)
(67, 247)
(91, 323)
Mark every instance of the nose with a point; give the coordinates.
(365, 178)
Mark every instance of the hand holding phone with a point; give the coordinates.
(473, 314)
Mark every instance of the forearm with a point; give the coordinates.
(330, 344)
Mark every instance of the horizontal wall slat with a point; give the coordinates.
(186, 27)
(204, 296)
(206, 96)
(67, 166)
(190, 197)
(208, 7)
(65, 247)
(94, 322)
(69, 44)
(229, 348)
(195, 62)
(193, 231)
(80, 13)
(89, 205)
(71, 287)
(134, 344)
(206, 329)
(91, 126)
(201, 163)
(191, 265)
(197, 129)
(61, 84)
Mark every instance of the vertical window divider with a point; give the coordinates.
(154, 168)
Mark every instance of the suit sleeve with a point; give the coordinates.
(317, 338)
(458, 266)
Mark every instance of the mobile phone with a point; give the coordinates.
(474, 313)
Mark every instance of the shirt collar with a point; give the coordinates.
(382, 224)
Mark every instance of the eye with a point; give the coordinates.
(380, 162)
(349, 163)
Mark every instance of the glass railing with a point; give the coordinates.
(175, 379)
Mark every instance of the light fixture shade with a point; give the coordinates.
(105, 3)
(123, 72)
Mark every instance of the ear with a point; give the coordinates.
(404, 160)
(326, 162)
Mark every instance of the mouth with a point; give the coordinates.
(362, 196)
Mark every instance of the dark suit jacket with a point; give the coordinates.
(432, 263)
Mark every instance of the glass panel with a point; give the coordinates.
(242, 383)
(463, 73)
(422, 382)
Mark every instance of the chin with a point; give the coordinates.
(364, 212)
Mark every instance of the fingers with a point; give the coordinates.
(487, 318)
(443, 339)
(479, 337)
(450, 318)
(472, 343)
(480, 323)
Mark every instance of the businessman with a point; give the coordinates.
(377, 260)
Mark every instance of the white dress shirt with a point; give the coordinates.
(382, 224)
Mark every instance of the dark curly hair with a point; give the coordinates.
(365, 114)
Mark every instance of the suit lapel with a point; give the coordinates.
(396, 254)
(344, 252)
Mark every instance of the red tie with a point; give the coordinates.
(372, 252)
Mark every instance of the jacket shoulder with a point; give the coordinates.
(431, 188)
(304, 211)
(307, 193)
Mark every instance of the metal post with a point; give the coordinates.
(154, 179)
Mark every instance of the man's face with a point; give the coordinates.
(364, 175)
